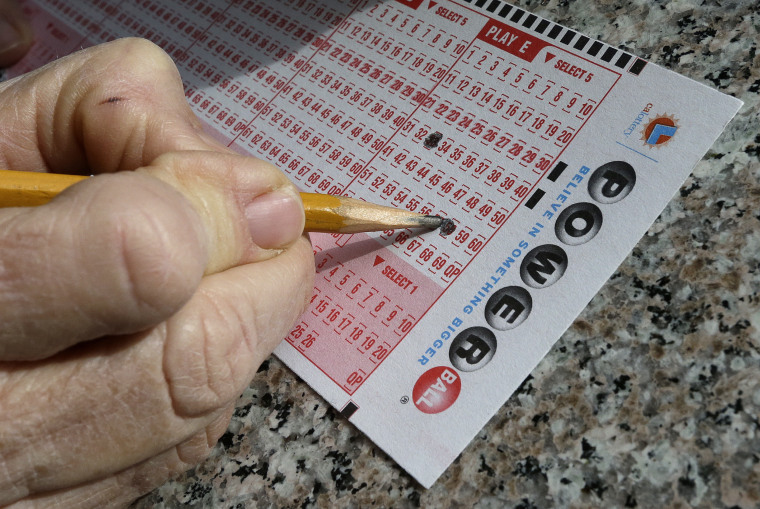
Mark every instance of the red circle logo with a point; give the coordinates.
(659, 130)
(437, 389)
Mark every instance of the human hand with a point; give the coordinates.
(137, 305)
(15, 33)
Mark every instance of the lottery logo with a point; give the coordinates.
(660, 130)
(436, 390)
(509, 307)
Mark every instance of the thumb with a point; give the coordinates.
(15, 33)
(119, 253)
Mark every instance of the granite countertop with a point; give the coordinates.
(651, 399)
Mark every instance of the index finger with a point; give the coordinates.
(120, 253)
(108, 108)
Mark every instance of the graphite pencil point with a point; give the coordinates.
(447, 226)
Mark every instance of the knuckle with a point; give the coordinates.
(131, 68)
(156, 255)
(140, 52)
(215, 344)
(208, 356)
(293, 279)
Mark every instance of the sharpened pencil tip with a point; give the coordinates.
(445, 225)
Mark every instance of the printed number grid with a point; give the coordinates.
(372, 102)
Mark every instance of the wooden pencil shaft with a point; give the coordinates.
(340, 214)
(324, 213)
(29, 188)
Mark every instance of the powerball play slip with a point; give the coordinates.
(551, 151)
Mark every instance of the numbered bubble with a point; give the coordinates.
(543, 266)
(472, 349)
(508, 308)
(612, 182)
(578, 223)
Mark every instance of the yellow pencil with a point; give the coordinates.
(324, 212)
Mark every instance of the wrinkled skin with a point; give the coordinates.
(137, 305)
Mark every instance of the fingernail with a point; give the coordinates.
(275, 219)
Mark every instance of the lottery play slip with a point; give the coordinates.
(552, 152)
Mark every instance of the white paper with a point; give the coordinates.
(540, 130)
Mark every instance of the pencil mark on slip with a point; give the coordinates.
(447, 227)
(432, 140)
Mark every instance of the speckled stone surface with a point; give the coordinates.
(651, 399)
